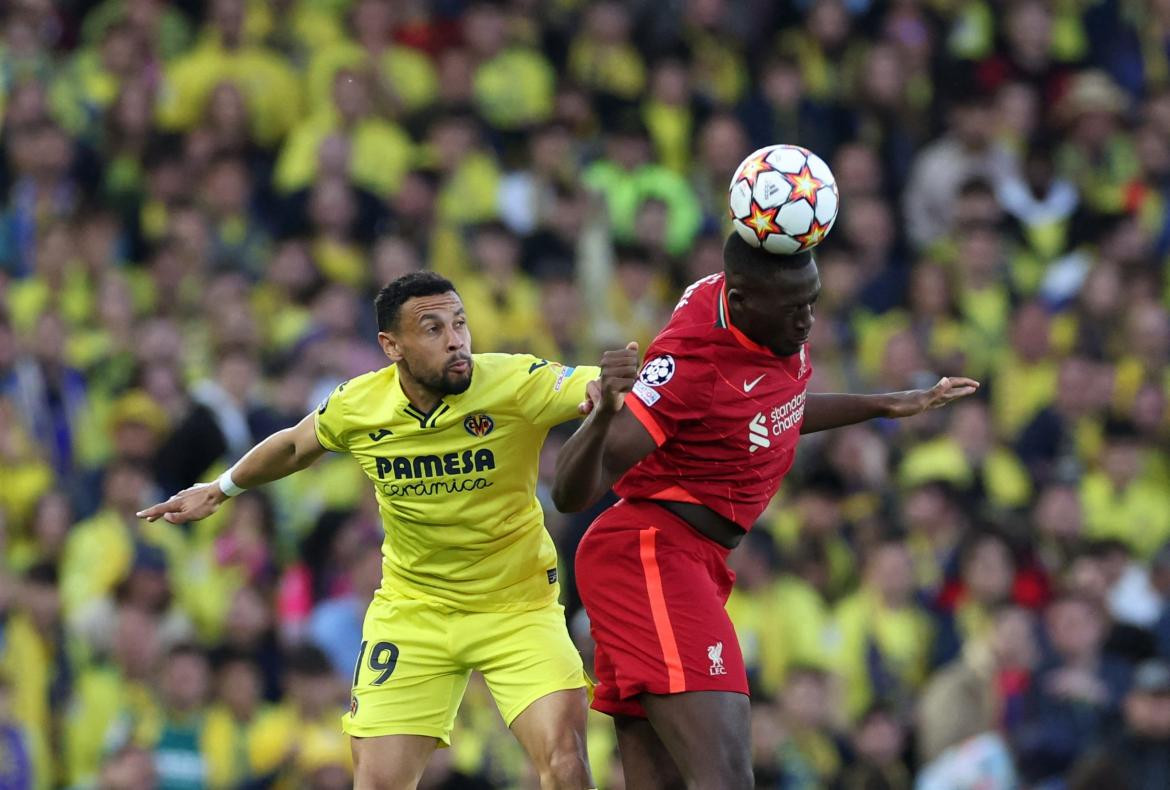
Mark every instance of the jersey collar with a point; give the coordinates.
(426, 420)
(723, 321)
(403, 405)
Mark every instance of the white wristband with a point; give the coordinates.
(228, 486)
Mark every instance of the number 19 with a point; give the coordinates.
(383, 659)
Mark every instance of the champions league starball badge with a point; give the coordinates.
(658, 371)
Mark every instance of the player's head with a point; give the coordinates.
(312, 684)
(186, 678)
(771, 296)
(423, 329)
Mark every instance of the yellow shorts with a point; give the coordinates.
(416, 657)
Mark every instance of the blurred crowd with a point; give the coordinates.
(198, 200)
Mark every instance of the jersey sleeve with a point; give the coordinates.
(550, 392)
(330, 422)
(674, 386)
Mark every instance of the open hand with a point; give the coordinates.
(948, 389)
(190, 504)
(619, 370)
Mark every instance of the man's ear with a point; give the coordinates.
(390, 347)
(735, 296)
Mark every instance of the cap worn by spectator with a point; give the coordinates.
(138, 408)
(1091, 92)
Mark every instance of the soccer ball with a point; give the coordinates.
(783, 198)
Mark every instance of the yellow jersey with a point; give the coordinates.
(456, 488)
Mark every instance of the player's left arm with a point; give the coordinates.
(825, 411)
(280, 455)
(610, 440)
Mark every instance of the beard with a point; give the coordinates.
(443, 381)
(450, 383)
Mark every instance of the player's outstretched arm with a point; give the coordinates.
(281, 454)
(825, 411)
(609, 441)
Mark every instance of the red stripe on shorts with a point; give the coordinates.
(674, 667)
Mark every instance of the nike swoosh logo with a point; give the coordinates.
(749, 387)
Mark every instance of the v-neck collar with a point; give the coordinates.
(425, 419)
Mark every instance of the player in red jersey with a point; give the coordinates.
(709, 429)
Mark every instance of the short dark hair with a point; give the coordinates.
(889, 538)
(880, 708)
(632, 252)
(189, 650)
(1103, 547)
(761, 543)
(806, 671)
(389, 301)
(42, 573)
(824, 482)
(1119, 429)
(1078, 599)
(628, 123)
(162, 150)
(976, 186)
(307, 661)
(427, 175)
(491, 227)
(976, 538)
(756, 263)
(224, 656)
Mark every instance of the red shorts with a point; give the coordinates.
(655, 590)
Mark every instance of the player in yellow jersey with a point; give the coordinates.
(469, 573)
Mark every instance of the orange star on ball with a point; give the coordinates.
(804, 185)
(753, 167)
(762, 221)
(815, 235)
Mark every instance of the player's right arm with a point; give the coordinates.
(280, 455)
(608, 443)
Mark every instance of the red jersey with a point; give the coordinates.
(724, 411)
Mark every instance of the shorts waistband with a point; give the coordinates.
(653, 514)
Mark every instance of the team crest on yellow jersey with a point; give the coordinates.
(479, 424)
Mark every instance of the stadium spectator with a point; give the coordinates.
(989, 682)
(179, 751)
(337, 621)
(794, 741)
(886, 636)
(941, 168)
(878, 746)
(1139, 756)
(1076, 694)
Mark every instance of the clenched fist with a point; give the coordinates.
(619, 370)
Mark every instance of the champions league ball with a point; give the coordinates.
(783, 198)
